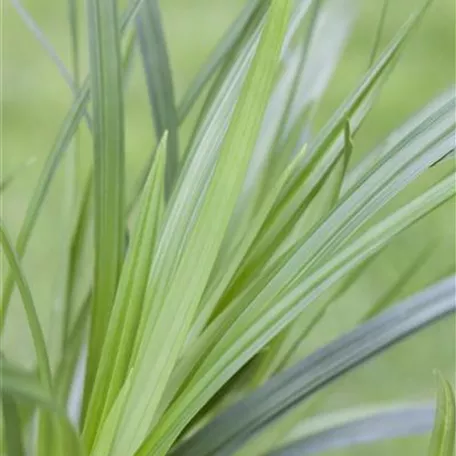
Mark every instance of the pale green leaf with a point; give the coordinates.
(349, 428)
(279, 395)
(379, 32)
(115, 356)
(234, 341)
(61, 143)
(159, 81)
(168, 325)
(108, 172)
(24, 386)
(443, 435)
(29, 307)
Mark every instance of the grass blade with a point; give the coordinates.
(159, 80)
(443, 435)
(47, 46)
(433, 120)
(23, 386)
(75, 257)
(109, 170)
(218, 357)
(232, 39)
(280, 394)
(323, 153)
(378, 34)
(115, 357)
(13, 433)
(350, 428)
(391, 294)
(63, 139)
(167, 329)
(29, 306)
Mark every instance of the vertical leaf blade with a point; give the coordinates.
(168, 328)
(159, 81)
(113, 367)
(109, 164)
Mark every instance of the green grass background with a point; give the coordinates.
(35, 99)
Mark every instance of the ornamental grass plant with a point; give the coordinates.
(190, 337)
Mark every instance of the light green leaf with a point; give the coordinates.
(159, 81)
(24, 386)
(75, 257)
(29, 307)
(61, 143)
(104, 442)
(232, 341)
(109, 172)
(379, 32)
(170, 321)
(443, 435)
(115, 356)
(279, 395)
(47, 46)
(392, 292)
(321, 156)
(67, 364)
(432, 122)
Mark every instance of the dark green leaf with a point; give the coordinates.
(13, 433)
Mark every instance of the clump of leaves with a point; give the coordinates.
(192, 334)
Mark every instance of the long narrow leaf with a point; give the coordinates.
(29, 306)
(167, 331)
(443, 435)
(109, 170)
(61, 143)
(13, 434)
(159, 80)
(238, 339)
(231, 429)
(113, 367)
(23, 386)
(361, 428)
(319, 159)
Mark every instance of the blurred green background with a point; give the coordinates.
(35, 100)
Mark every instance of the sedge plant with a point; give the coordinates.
(191, 337)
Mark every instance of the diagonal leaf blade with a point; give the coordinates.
(167, 329)
(280, 394)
